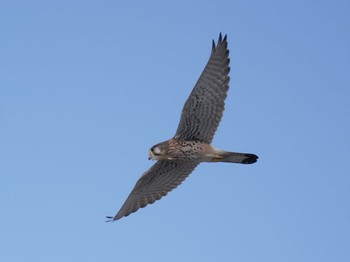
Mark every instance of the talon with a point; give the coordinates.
(217, 157)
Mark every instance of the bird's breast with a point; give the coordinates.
(188, 150)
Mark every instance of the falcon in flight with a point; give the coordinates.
(191, 145)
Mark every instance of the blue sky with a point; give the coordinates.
(87, 87)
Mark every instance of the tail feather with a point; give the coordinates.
(232, 157)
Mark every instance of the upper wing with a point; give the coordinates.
(155, 183)
(203, 109)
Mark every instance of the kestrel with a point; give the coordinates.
(191, 145)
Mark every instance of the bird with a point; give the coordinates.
(179, 156)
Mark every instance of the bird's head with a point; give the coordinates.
(155, 153)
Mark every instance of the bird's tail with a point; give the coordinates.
(232, 157)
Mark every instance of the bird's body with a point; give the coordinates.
(191, 145)
(188, 151)
(179, 150)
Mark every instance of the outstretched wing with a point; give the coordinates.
(155, 183)
(203, 109)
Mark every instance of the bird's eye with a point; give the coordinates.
(155, 151)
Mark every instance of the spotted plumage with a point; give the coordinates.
(191, 145)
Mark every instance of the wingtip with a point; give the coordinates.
(115, 218)
(221, 40)
(109, 219)
(213, 46)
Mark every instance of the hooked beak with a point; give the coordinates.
(150, 155)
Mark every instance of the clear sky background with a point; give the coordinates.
(87, 87)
